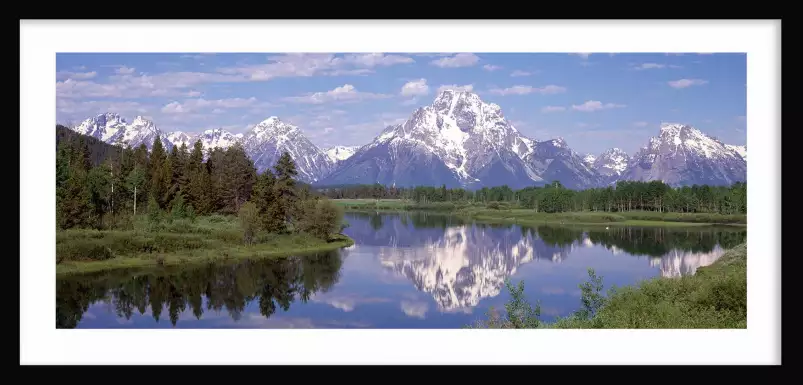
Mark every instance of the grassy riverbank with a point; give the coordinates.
(176, 242)
(715, 297)
(505, 213)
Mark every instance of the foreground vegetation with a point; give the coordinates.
(135, 208)
(715, 297)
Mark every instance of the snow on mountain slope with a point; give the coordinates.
(682, 155)
(179, 137)
(611, 164)
(741, 150)
(460, 141)
(266, 142)
(140, 131)
(341, 153)
(102, 127)
(589, 159)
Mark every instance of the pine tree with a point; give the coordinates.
(74, 207)
(239, 176)
(265, 199)
(284, 188)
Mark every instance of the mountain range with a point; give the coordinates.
(458, 141)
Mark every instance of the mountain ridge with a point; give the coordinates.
(458, 141)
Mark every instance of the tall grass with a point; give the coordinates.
(175, 241)
(715, 297)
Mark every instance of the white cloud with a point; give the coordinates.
(553, 109)
(370, 60)
(414, 309)
(195, 105)
(491, 67)
(455, 87)
(345, 93)
(69, 109)
(683, 83)
(415, 88)
(76, 75)
(595, 105)
(647, 66)
(518, 73)
(123, 70)
(524, 90)
(640, 124)
(459, 60)
(127, 85)
(583, 55)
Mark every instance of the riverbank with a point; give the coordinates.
(715, 297)
(178, 242)
(509, 214)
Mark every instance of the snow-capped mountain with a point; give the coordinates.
(682, 155)
(458, 141)
(113, 129)
(266, 142)
(102, 127)
(178, 138)
(589, 159)
(263, 144)
(341, 153)
(140, 131)
(611, 163)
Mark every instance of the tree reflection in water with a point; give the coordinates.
(274, 283)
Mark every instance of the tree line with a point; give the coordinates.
(184, 183)
(623, 196)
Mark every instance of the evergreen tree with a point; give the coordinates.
(264, 198)
(284, 187)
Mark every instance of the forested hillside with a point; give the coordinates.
(97, 149)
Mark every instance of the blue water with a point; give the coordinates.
(405, 271)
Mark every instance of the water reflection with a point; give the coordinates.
(273, 284)
(459, 264)
(443, 267)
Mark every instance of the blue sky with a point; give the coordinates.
(594, 101)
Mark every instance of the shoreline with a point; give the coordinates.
(528, 217)
(235, 252)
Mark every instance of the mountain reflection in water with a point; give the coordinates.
(457, 264)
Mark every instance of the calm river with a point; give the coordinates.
(412, 270)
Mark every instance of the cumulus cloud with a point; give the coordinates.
(595, 105)
(195, 105)
(491, 67)
(683, 83)
(524, 90)
(553, 109)
(455, 87)
(415, 88)
(459, 60)
(370, 60)
(344, 93)
(414, 309)
(76, 75)
(126, 84)
(123, 70)
(648, 66)
(69, 109)
(518, 73)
